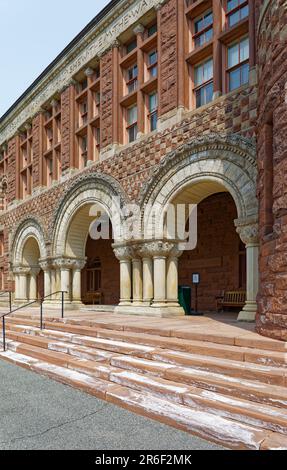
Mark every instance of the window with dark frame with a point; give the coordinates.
(132, 79)
(238, 63)
(236, 11)
(153, 111)
(152, 64)
(203, 29)
(203, 82)
(132, 123)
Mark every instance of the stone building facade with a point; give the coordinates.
(155, 102)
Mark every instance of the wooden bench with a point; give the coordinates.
(235, 298)
(93, 298)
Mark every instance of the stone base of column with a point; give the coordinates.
(57, 304)
(248, 313)
(150, 311)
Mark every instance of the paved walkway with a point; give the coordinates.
(38, 413)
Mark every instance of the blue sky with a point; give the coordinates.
(32, 33)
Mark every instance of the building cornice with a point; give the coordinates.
(99, 38)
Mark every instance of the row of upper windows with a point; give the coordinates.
(237, 72)
(88, 97)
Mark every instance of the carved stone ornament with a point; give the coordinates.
(249, 234)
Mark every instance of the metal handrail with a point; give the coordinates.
(28, 305)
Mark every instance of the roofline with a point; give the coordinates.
(62, 54)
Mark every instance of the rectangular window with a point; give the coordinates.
(83, 151)
(238, 64)
(83, 108)
(153, 111)
(152, 64)
(132, 79)
(203, 83)
(203, 29)
(132, 121)
(131, 46)
(237, 10)
(152, 30)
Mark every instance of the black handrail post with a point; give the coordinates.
(3, 333)
(41, 314)
(63, 293)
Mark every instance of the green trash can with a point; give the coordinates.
(184, 298)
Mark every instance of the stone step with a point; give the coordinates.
(221, 430)
(273, 395)
(169, 328)
(51, 339)
(236, 353)
(245, 411)
(263, 416)
(98, 343)
(245, 370)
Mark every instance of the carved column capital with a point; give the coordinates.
(64, 263)
(138, 29)
(249, 234)
(22, 270)
(123, 253)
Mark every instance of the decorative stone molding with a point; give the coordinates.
(92, 188)
(89, 72)
(229, 160)
(123, 253)
(249, 234)
(139, 29)
(96, 41)
(27, 228)
(21, 270)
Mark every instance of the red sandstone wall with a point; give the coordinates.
(216, 257)
(272, 65)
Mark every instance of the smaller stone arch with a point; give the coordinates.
(28, 247)
(92, 190)
(30, 228)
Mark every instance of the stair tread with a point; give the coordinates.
(235, 408)
(236, 353)
(204, 424)
(247, 370)
(275, 394)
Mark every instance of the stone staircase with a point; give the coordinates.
(204, 384)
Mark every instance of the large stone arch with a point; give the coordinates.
(94, 189)
(207, 165)
(212, 161)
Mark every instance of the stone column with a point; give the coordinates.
(124, 255)
(21, 294)
(172, 277)
(137, 282)
(77, 281)
(46, 268)
(147, 281)
(250, 237)
(65, 265)
(33, 294)
(160, 251)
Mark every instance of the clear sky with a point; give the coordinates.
(32, 34)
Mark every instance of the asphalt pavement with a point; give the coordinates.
(37, 413)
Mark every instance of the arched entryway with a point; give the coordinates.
(219, 256)
(211, 165)
(86, 225)
(28, 248)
